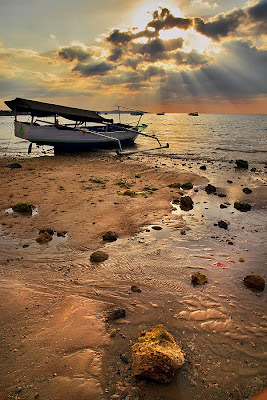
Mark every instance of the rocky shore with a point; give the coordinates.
(96, 248)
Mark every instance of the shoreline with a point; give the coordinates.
(56, 299)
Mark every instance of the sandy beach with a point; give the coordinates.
(56, 341)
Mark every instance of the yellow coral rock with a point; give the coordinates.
(156, 355)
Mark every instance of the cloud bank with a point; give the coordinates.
(159, 63)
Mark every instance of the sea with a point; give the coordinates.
(223, 137)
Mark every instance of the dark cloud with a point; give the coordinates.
(259, 11)
(258, 16)
(116, 54)
(135, 80)
(157, 49)
(153, 71)
(74, 53)
(132, 62)
(149, 34)
(165, 20)
(94, 69)
(193, 59)
(224, 79)
(220, 26)
(118, 38)
(251, 19)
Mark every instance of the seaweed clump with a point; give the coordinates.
(98, 256)
(242, 206)
(187, 185)
(23, 208)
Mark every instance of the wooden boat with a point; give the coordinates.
(75, 136)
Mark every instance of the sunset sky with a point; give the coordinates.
(172, 56)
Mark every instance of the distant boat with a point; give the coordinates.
(137, 113)
(194, 114)
(161, 113)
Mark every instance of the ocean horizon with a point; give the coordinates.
(208, 136)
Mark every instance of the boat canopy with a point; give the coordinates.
(39, 109)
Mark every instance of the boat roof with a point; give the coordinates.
(40, 109)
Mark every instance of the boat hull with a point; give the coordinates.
(69, 138)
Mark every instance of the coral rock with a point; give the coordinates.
(254, 281)
(98, 256)
(242, 206)
(186, 203)
(247, 190)
(210, 189)
(156, 355)
(116, 313)
(241, 164)
(199, 279)
(222, 224)
(44, 237)
(110, 236)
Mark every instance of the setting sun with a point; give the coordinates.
(143, 14)
(192, 39)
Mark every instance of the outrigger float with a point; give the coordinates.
(80, 134)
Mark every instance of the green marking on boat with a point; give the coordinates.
(21, 131)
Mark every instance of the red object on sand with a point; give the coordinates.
(219, 264)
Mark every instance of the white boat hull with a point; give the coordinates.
(51, 135)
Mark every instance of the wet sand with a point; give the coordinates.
(56, 342)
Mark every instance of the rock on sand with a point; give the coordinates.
(156, 355)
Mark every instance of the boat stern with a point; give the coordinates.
(22, 130)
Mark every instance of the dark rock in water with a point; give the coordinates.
(242, 206)
(221, 195)
(135, 289)
(48, 230)
(203, 167)
(175, 185)
(43, 238)
(241, 164)
(156, 227)
(175, 200)
(14, 165)
(98, 256)
(247, 190)
(254, 281)
(110, 236)
(23, 208)
(61, 233)
(116, 313)
(187, 186)
(223, 206)
(186, 203)
(254, 169)
(229, 181)
(210, 189)
(222, 224)
(199, 279)
(156, 355)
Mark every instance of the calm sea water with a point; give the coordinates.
(208, 136)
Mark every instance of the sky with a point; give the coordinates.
(178, 56)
